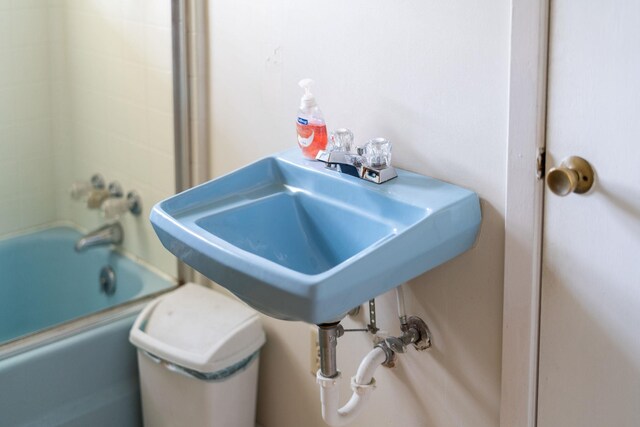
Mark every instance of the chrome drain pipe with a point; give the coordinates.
(328, 334)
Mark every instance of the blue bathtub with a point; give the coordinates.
(64, 352)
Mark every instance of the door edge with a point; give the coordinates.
(524, 212)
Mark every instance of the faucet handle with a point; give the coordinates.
(341, 140)
(377, 153)
(115, 189)
(80, 190)
(96, 197)
(115, 207)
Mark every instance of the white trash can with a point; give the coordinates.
(198, 354)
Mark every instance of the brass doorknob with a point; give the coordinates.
(574, 175)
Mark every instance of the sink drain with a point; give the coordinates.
(108, 280)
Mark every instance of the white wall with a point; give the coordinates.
(26, 170)
(112, 89)
(432, 77)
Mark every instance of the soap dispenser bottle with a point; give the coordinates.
(312, 130)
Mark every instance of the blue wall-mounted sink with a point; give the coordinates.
(298, 241)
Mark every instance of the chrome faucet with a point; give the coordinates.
(371, 162)
(106, 235)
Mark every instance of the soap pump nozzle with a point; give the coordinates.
(307, 100)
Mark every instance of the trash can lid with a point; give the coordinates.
(198, 328)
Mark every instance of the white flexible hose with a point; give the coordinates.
(368, 366)
(362, 385)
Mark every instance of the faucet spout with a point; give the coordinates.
(106, 235)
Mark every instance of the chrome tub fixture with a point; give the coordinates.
(108, 234)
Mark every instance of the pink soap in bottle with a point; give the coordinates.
(310, 125)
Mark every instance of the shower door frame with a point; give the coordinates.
(181, 113)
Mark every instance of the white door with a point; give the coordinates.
(590, 314)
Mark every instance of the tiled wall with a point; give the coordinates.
(26, 170)
(101, 101)
(116, 89)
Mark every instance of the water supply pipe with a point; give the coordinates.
(414, 331)
(402, 315)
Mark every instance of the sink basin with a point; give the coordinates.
(300, 242)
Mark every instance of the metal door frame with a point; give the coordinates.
(181, 113)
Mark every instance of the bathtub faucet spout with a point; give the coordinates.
(106, 235)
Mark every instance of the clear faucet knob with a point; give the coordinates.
(377, 153)
(114, 208)
(80, 190)
(341, 140)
